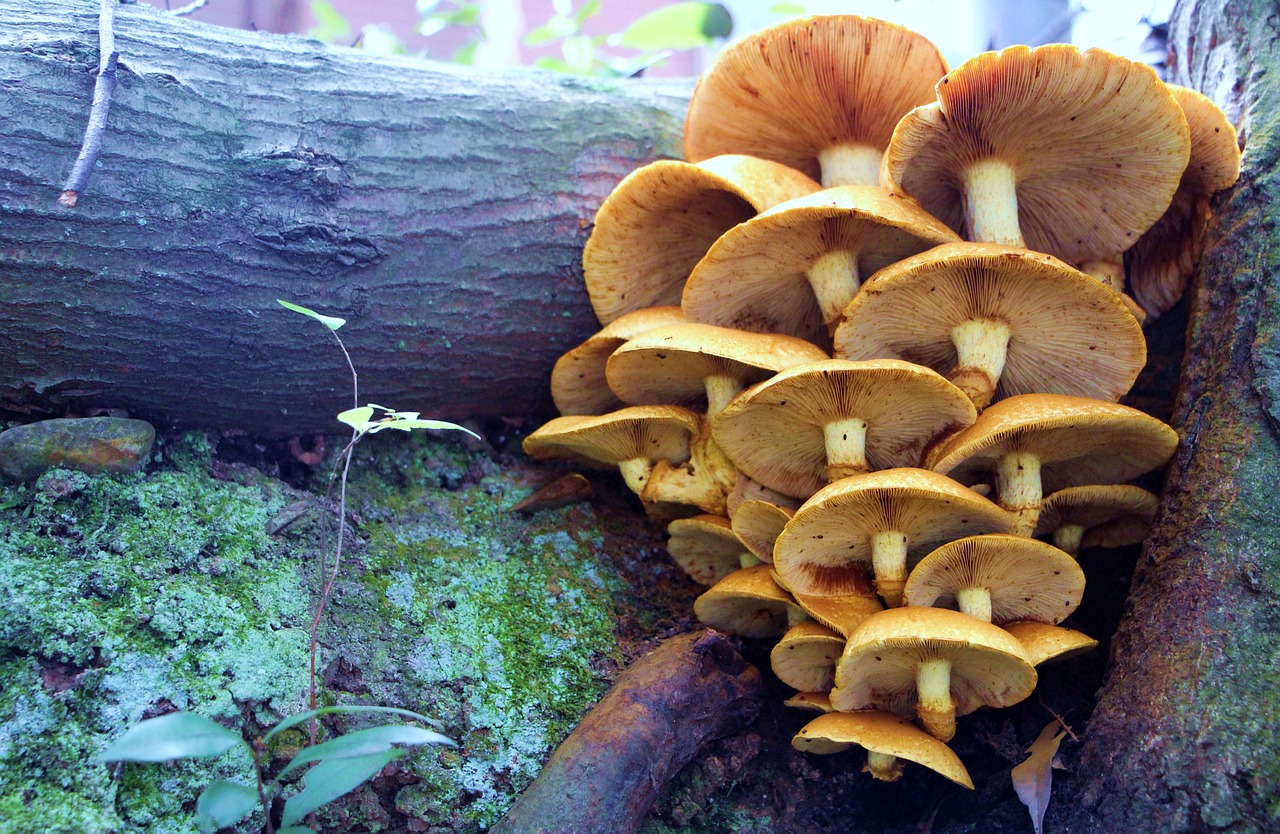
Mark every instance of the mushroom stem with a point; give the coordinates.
(635, 472)
(686, 483)
(1019, 490)
(851, 164)
(889, 563)
(991, 203)
(720, 390)
(884, 766)
(981, 348)
(1067, 538)
(976, 602)
(934, 706)
(846, 442)
(834, 279)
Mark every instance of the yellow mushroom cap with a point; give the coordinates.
(1019, 578)
(757, 525)
(881, 732)
(778, 271)
(1066, 332)
(1045, 643)
(1108, 515)
(705, 548)
(661, 219)
(748, 602)
(661, 432)
(1094, 145)
(795, 91)
(805, 658)
(578, 384)
(832, 534)
(777, 431)
(842, 613)
(812, 701)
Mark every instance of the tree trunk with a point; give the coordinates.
(441, 210)
(1185, 734)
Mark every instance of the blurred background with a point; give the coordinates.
(659, 37)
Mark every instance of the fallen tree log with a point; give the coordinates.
(441, 210)
(606, 775)
(1184, 736)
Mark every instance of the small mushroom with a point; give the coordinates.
(811, 701)
(749, 603)
(578, 384)
(1097, 516)
(661, 219)
(805, 658)
(1045, 643)
(757, 525)
(1043, 442)
(889, 741)
(819, 94)
(998, 579)
(842, 613)
(706, 548)
(878, 522)
(816, 423)
(935, 662)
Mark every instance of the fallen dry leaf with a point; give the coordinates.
(560, 492)
(1033, 778)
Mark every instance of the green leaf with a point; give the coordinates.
(332, 26)
(178, 735)
(364, 743)
(553, 30)
(589, 10)
(331, 779)
(357, 418)
(548, 62)
(298, 718)
(796, 9)
(579, 53)
(223, 804)
(467, 54)
(331, 322)
(679, 26)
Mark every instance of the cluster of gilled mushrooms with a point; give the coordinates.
(847, 356)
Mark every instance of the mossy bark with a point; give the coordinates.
(442, 210)
(1184, 737)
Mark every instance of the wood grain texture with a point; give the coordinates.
(441, 210)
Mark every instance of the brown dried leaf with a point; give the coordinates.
(559, 493)
(1033, 778)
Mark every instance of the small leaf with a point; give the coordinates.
(589, 10)
(409, 424)
(551, 31)
(331, 322)
(178, 735)
(364, 743)
(223, 804)
(332, 25)
(467, 54)
(1033, 778)
(679, 26)
(357, 418)
(301, 717)
(796, 9)
(331, 779)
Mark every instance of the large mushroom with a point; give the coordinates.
(934, 662)
(661, 219)
(878, 522)
(1035, 443)
(794, 268)
(1074, 153)
(820, 94)
(749, 603)
(889, 741)
(578, 384)
(816, 423)
(997, 321)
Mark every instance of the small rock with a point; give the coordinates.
(89, 444)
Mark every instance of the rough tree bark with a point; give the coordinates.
(441, 210)
(1184, 737)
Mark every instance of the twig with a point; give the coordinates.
(183, 11)
(103, 88)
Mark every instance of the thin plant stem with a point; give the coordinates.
(103, 88)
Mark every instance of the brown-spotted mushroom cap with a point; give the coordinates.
(817, 423)
(633, 438)
(811, 701)
(997, 321)
(998, 578)
(661, 219)
(1038, 443)
(842, 613)
(578, 384)
(881, 521)
(820, 94)
(1164, 257)
(794, 268)
(1110, 515)
(1044, 643)
(706, 548)
(805, 658)
(1062, 151)
(757, 525)
(888, 740)
(691, 364)
(745, 489)
(749, 603)
(934, 662)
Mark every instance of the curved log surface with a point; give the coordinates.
(441, 210)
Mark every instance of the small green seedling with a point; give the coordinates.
(338, 765)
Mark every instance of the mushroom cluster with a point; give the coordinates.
(869, 342)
